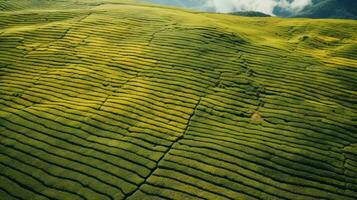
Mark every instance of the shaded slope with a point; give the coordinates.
(340, 9)
(137, 102)
(250, 14)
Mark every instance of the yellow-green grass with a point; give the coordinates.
(118, 100)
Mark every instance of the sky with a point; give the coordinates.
(265, 6)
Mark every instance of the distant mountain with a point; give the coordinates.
(250, 14)
(344, 9)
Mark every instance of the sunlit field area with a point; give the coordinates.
(115, 99)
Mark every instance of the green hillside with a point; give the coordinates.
(250, 14)
(116, 100)
(340, 9)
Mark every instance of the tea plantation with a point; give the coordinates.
(114, 99)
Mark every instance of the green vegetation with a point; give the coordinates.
(117, 100)
(250, 14)
(339, 9)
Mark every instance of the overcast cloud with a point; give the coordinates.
(265, 6)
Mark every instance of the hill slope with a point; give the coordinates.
(343, 9)
(127, 101)
(250, 14)
(338, 9)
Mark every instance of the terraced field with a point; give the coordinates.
(113, 100)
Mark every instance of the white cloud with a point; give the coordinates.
(265, 6)
(295, 5)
